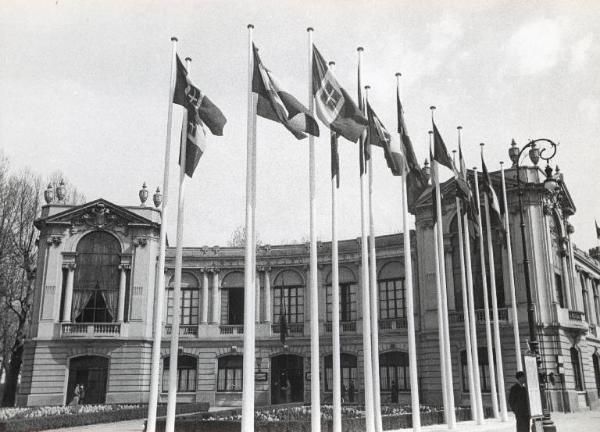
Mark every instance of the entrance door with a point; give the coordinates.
(92, 373)
(287, 368)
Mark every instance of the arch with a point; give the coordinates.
(391, 270)
(187, 373)
(394, 369)
(234, 279)
(288, 277)
(346, 275)
(229, 373)
(188, 280)
(91, 372)
(577, 370)
(596, 366)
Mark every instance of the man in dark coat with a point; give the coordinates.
(518, 400)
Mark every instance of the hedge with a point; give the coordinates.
(56, 422)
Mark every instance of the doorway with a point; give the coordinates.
(92, 373)
(287, 370)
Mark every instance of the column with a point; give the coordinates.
(69, 293)
(257, 293)
(204, 317)
(122, 284)
(267, 277)
(215, 297)
(569, 300)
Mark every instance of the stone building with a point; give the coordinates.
(95, 293)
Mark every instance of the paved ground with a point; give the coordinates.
(588, 421)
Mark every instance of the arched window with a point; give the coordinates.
(288, 297)
(596, 363)
(556, 234)
(348, 290)
(96, 284)
(576, 362)
(392, 299)
(189, 304)
(229, 374)
(187, 371)
(348, 371)
(393, 366)
(484, 370)
(498, 243)
(232, 299)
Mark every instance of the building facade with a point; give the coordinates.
(95, 295)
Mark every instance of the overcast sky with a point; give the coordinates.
(84, 89)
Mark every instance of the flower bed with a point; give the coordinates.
(42, 418)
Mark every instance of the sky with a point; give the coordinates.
(84, 89)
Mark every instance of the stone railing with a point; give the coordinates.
(576, 316)
(392, 323)
(345, 327)
(92, 330)
(229, 329)
(458, 317)
(293, 329)
(184, 330)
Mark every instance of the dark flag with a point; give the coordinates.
(335, 159)
(278, 105)
(192, 99)
(416, 182)
(334, 106)
(283, 328)
(195, 144)
(440, 152)
(597, 230)
(488, 188)
(379, 136)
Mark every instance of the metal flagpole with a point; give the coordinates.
(374, 303)
(315, 396)
(174, 349)
(497, 345)
(410, 307)
(159, 290)
(465, 308)
(511, 275)
(250, 251)
(335, 298)
(366, 321)
(486, 302)
(450, 415)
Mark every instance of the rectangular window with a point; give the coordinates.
(484, 370)
(229, 379)
(348, 305)
(597, 303)
(392, 301)
(559, 290)
(189, 306)
(186, 376)
(290, 299)
(398, 373)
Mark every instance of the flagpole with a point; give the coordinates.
(486, 310)
(511, 275)
(374, 301)
(497, 345)
(249, 256)
(174, 349)
(315, 396)
(438, 288)
(451, 415)
(335, 301)
(160, 281)
(410, 307)
(366, 321)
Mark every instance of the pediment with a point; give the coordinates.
(97, 214)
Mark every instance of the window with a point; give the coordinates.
(584, 291)
(393, 366)
(186, 373)
(288, 297)
(229, 375)
(559, 290)
(577, 377)
(96, 280)
(596, 301)
(596, 363)
(484, 370)
(232, 299)
(348, 369)
(392, 302)
(348, 292)
(189, 300)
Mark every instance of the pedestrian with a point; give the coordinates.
(518, 400)
(343, 392)
(395, 390)
(76, 395)
(351, 391)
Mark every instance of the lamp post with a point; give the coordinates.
(551, 185)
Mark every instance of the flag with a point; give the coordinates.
(488, 188)
(463, 190)
(364, 148)
(440, 152)
(278, 105)
(416, 182)
(335, 159)
(597, 230)
(379, 136)
(334, 106)
(434, 181)
(195, 144)
(194, 101)
(283, 329)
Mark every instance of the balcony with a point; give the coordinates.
(458, 317)
(345, 327)
(68, 330)
(392, 324)
(184, 330)
(293, 329)
(571, 319)
(228, 329)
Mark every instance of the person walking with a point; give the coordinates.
(518, 400)
(394, 392)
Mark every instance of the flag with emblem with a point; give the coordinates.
(278, 105)
(378, 135)
(195, 144)
(334, 106)
(194, 101)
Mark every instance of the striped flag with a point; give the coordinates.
(278, 105)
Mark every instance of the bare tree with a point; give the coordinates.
(238, 237)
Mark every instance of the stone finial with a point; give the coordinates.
(49, 194)
(157, 198)
(143, 194)
(61, 191)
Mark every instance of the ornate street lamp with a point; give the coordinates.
(551, 185)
